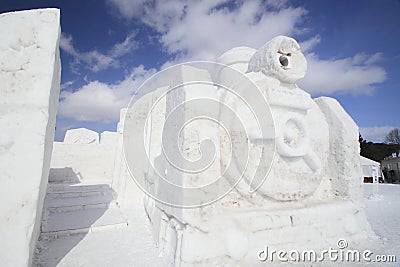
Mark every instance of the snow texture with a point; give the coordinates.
(30, 80)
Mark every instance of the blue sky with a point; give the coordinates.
(109, 47)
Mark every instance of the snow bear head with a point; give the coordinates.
(280, 58)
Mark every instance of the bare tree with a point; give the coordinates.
(393, 137)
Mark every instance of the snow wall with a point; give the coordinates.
(82, 157)
(30, 85)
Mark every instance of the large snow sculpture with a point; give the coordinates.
(30, 80)
(312, 194)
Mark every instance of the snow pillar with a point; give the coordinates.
(30, 85)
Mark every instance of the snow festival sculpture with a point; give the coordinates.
(309, 194)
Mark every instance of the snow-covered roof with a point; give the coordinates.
(368, 162)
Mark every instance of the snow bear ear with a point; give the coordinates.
(280, 58)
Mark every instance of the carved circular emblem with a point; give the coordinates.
(292, 136)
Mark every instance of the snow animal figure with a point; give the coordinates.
(301, 130)
(316, 140)
(301, 163)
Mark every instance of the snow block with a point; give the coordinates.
(30, 85)
(82, 158)
(81, 136)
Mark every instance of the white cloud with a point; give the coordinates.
(95, 60)
(101, 102)
(66, 44)
(309, 44)
(347, 75)
(205, 29)
(66, 85)
(128, 8)
(123, 48)
(375, 134)
(374, 58)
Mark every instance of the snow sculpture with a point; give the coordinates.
(81, 136)
(30, 80)
(312, 196)
(300, 126)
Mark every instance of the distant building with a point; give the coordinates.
(391, 168)
(367, 165)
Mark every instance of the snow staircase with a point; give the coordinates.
(83, 225)
(78, 208)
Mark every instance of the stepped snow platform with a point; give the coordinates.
(83, 221)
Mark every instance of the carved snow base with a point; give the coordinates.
(236, 236)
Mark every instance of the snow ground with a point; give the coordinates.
(123, 246)
(133, 246)
(83, 225)
(383, 213)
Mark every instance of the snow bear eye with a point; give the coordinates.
(284, 61)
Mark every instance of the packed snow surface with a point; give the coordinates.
(133, 245)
